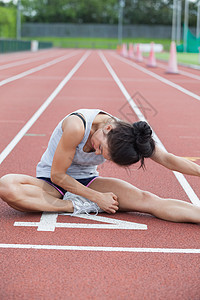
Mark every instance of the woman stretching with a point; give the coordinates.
(68, 168)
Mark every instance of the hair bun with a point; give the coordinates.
(142, 133)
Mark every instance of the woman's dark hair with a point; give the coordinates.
(130, 143)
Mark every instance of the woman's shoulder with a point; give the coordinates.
(72, 132)
(74, 125)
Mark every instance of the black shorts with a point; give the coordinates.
(84, 181)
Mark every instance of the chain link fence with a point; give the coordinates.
(94, 30)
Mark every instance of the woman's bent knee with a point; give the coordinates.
(8, 179)
(8, 188)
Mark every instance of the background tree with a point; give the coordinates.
(7, 21)
(100, 11)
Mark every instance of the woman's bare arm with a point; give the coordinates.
(73, 133)
(175, 163)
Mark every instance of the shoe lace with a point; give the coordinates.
(85, 206)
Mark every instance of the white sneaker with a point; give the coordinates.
(82, 205)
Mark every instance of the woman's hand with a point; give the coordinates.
(108, 202)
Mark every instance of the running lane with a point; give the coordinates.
(15, 67)
(22, 97)
(187, 78)
(95, 272)
(173, 114)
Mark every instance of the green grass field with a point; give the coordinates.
(107, 43)
(184, 58)
(103, 43)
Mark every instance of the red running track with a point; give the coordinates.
(68, 257)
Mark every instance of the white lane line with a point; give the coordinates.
(80, 225)
(102, 249)
(180, 177)
(194, 76)
(11, 56)
(48, 222)
(35, 134)
(163, 66)
(38, 68)
(38, 113)
(26, 61)
(164, 80)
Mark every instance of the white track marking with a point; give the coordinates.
(35, 134)
(120, 223)
(48, 222)
(38, 113)
(164, 80)
(11, 56)
(26, 61)
(163, 66)
(181, 179)
(101, 249)
(194, 76)
(38, 68)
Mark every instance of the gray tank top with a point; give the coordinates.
(84, 165)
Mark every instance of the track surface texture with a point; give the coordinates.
(56, 256)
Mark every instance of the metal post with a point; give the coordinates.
(198, 21)
(18, 25)
(174, 20)
(185, 26)
(178, 28)
(120, 21)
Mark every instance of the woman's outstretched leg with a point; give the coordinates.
(26, 193)
(131, 198)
